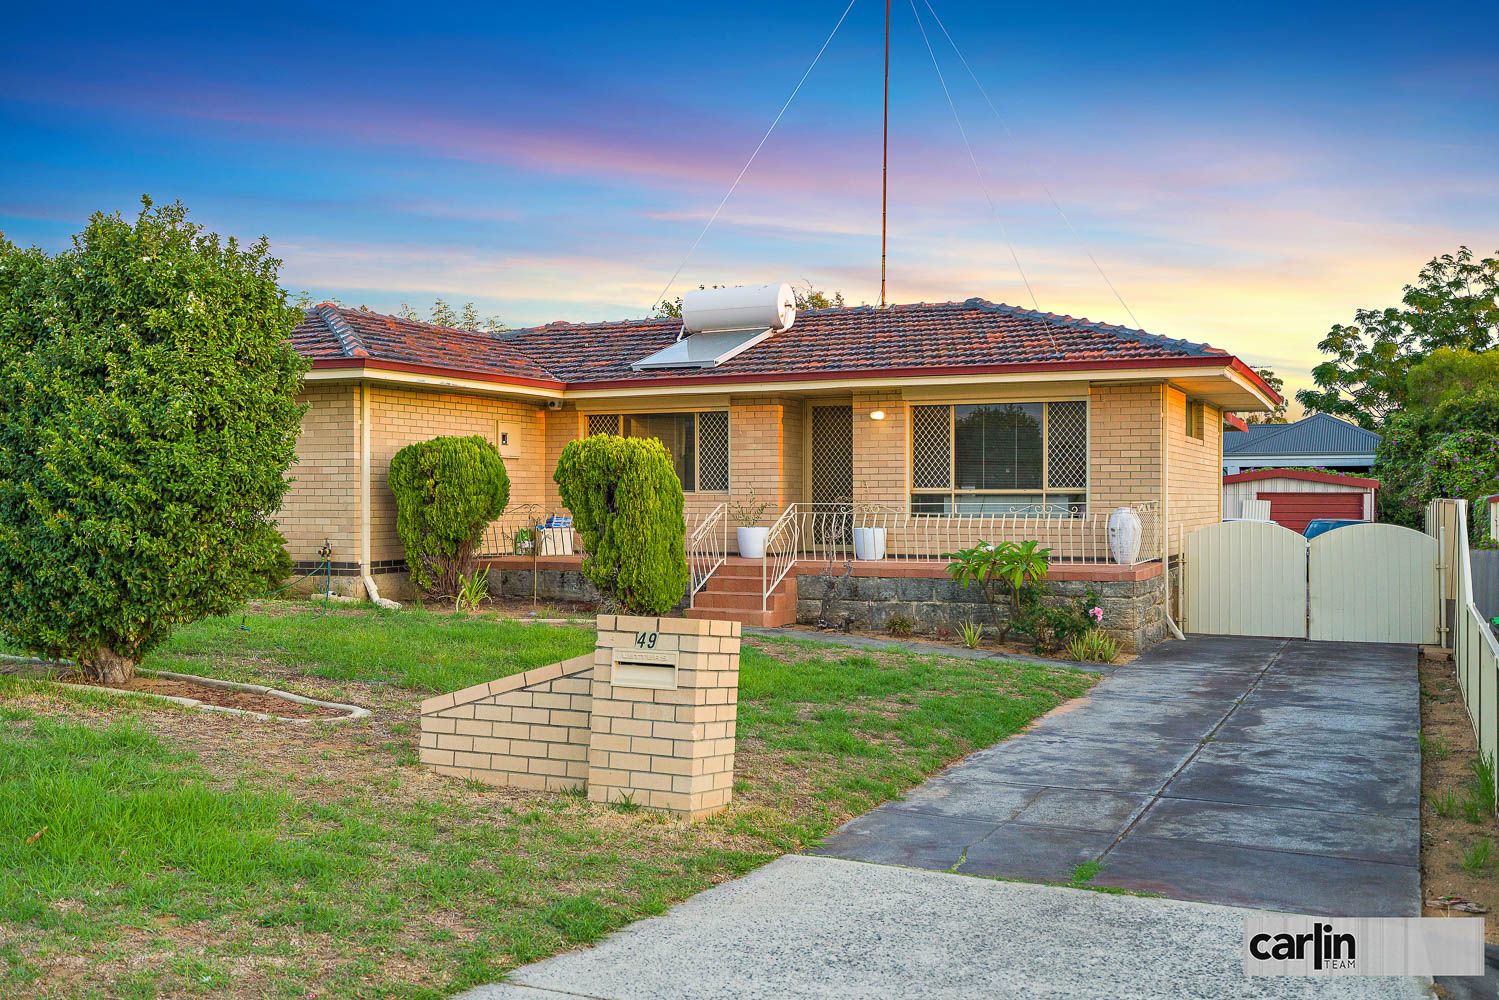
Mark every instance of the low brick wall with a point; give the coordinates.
(648, 716)
(866, 594)
(529, 730)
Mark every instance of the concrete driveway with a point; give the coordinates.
(1275, 774)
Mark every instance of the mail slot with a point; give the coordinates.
(645, 669)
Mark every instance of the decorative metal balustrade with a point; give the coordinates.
(838, 532)
(707, 547)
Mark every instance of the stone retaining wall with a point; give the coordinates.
(1133, 609)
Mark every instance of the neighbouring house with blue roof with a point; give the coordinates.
(1319, 440)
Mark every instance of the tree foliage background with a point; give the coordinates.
(148, 415)
(1451, 305)
(1445, 440)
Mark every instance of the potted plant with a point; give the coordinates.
(525, 541)
(869, 543)
(747, 513)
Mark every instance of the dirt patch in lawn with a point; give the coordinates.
(1459, 832)
(208, 694)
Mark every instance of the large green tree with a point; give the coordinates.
(148, 415)
(1443, 441)
(1452, 304)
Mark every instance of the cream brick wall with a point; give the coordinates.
(562, 426)
(1194, 468)
(529, 730)
(882, 449)
(1125, 454)
(567, 725)
(673, 748)
(765, 451)
(399, 417)
(323, 502)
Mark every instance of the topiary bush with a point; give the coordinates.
(626, 502)
(148, 415)
(447, 491)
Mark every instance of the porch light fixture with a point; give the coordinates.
(876, 414)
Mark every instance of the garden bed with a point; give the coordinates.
(222, 856)
(1459, 832)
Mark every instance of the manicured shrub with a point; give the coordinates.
(447, 491)
(148, 414)
(626, 503)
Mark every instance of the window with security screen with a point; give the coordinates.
(697, 442)
(999, 458)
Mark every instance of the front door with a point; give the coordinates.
(831, 475)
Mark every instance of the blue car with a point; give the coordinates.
(1323, 525)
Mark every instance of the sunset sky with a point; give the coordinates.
(1244, 178)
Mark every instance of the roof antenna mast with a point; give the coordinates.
(885, 165)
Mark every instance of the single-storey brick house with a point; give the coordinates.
(944, 423)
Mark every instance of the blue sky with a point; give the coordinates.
(1244, 177)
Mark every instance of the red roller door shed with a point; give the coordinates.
(1297, 510)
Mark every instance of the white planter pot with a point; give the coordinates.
(1124, 536)
(556, 541)
(869, 543)
(752, 542)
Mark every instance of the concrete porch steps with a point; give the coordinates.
(733, 593)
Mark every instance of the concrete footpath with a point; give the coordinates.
(824, 927)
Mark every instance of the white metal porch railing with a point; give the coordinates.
(837, 532)
(843, 532)
(782, 545)
(1475, 651)
(707, 547)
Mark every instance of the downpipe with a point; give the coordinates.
(373, 593)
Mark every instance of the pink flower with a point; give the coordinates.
(1097, 615)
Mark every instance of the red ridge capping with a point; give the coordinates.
(1302, 475)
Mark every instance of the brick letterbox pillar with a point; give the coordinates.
(665, 698)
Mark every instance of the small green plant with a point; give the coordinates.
(473, 590)
(1478, 855)
(1435, 746)
(747, 512)
(1053, 627)
(900, 626)
(973, 634)
(1093, 646)
(1483, 781)
(1445, 803)
(626, 803)
(525, 542)
(1018, 567)
(1086, 872)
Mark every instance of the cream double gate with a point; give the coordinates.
(1361, 583)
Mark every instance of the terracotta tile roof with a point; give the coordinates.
(332, 332)
(858, 338)
(943, 335)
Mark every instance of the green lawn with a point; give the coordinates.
(148, 851)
